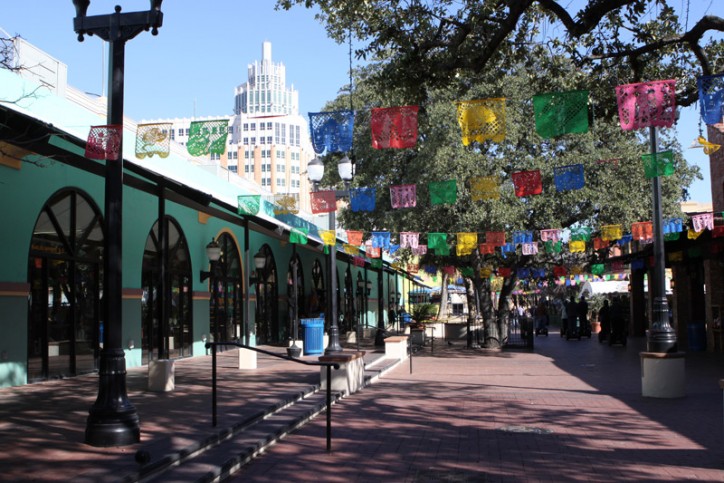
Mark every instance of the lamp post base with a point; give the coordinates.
(112, 420)
(334, 345)
(661, 337)
(294, 350)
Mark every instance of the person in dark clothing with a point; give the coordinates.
(604, 317)
(582, 311)
(572, 312)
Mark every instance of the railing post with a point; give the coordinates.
(409, 349)
(213, 384)
(329, 409)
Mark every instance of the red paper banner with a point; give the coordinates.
(527, 183)
(323, 201)
(104, 142)
(394, 127)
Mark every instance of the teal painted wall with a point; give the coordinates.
(14, 342)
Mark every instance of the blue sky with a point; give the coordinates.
(202, 51)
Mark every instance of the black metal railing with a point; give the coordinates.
(328, 365)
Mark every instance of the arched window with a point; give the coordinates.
(348, 309)
(268, 329)
(226, 293)
(65, 271)
(166, 331)
(300, 302)
(317, 297)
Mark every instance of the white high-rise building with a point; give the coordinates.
(269, 141)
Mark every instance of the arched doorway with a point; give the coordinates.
(266, 315)
(226, 292)
(169, 338)
(317, 299)
(65, 271)
(347, 322)
(299, 302)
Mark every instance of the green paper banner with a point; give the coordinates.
(659, 164)
(298, 236)
(249, 204)
(443, 192)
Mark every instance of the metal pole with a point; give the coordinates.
(329, 409)
(113, 420)
(334, 345)
(213, 384)
(247, 271)
(661, 337)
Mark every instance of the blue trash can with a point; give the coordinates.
(405, 318)
(697, 336)
(313, 336)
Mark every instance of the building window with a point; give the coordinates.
(246, 141)
(233, 168)
(253, 141)
(246, 126)
(187, 131)
(269, 126)
(215, 157)
(284, 134)
(268, 139)
(172, 135)
(253, 126)
(262, 140)
(296, 141)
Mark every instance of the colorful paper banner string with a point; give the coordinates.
(104, 142)
(409, 239)
(486, 249)
(646, 104)
(380, 239)
(299, 235)
(703, 221)
(522, 236)
(611, 232)
(675, 256)
(599, 243)
(394, 127)
(443, 192)
(331, 131)
(553, 247)
(350, 249)
(413, 268)
(362, 199)
(505, 272)
(625, 240)
(495, 238)
(558, 113)
(484, 188)
(642, 231)
(577, 246)
(481, 120)
(323, 201)
(718, 231)
(248, 204)
(207, 137)
(597, 269)
(437, 242)
(153, 139)
(419, 250)
(286, 204)
(466, 243)
(358, 261)
(551, 234)
(373, 252)
(617, 266)
(486, 272)
(659, 164)
(711, 93)
(673, 225)
(329, 237)
(527, 183)
(403, 196)
(672, 236)
(569, 178)
(392, 249)
(529, 248)
(581, 233)
(467, 272)
(354, 237)
(692, 234)
(523, 273)
(559, 271)
(508, 248)
(376, 263)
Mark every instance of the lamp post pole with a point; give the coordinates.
(315, 171)
(333, 345)
(661, 337)
(113, 420)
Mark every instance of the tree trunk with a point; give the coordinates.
(442, 312)
(470, 293)
(496, 332)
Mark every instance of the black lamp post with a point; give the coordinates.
(294, 350)
(315, 172)
(113, 420)
(661, 337)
